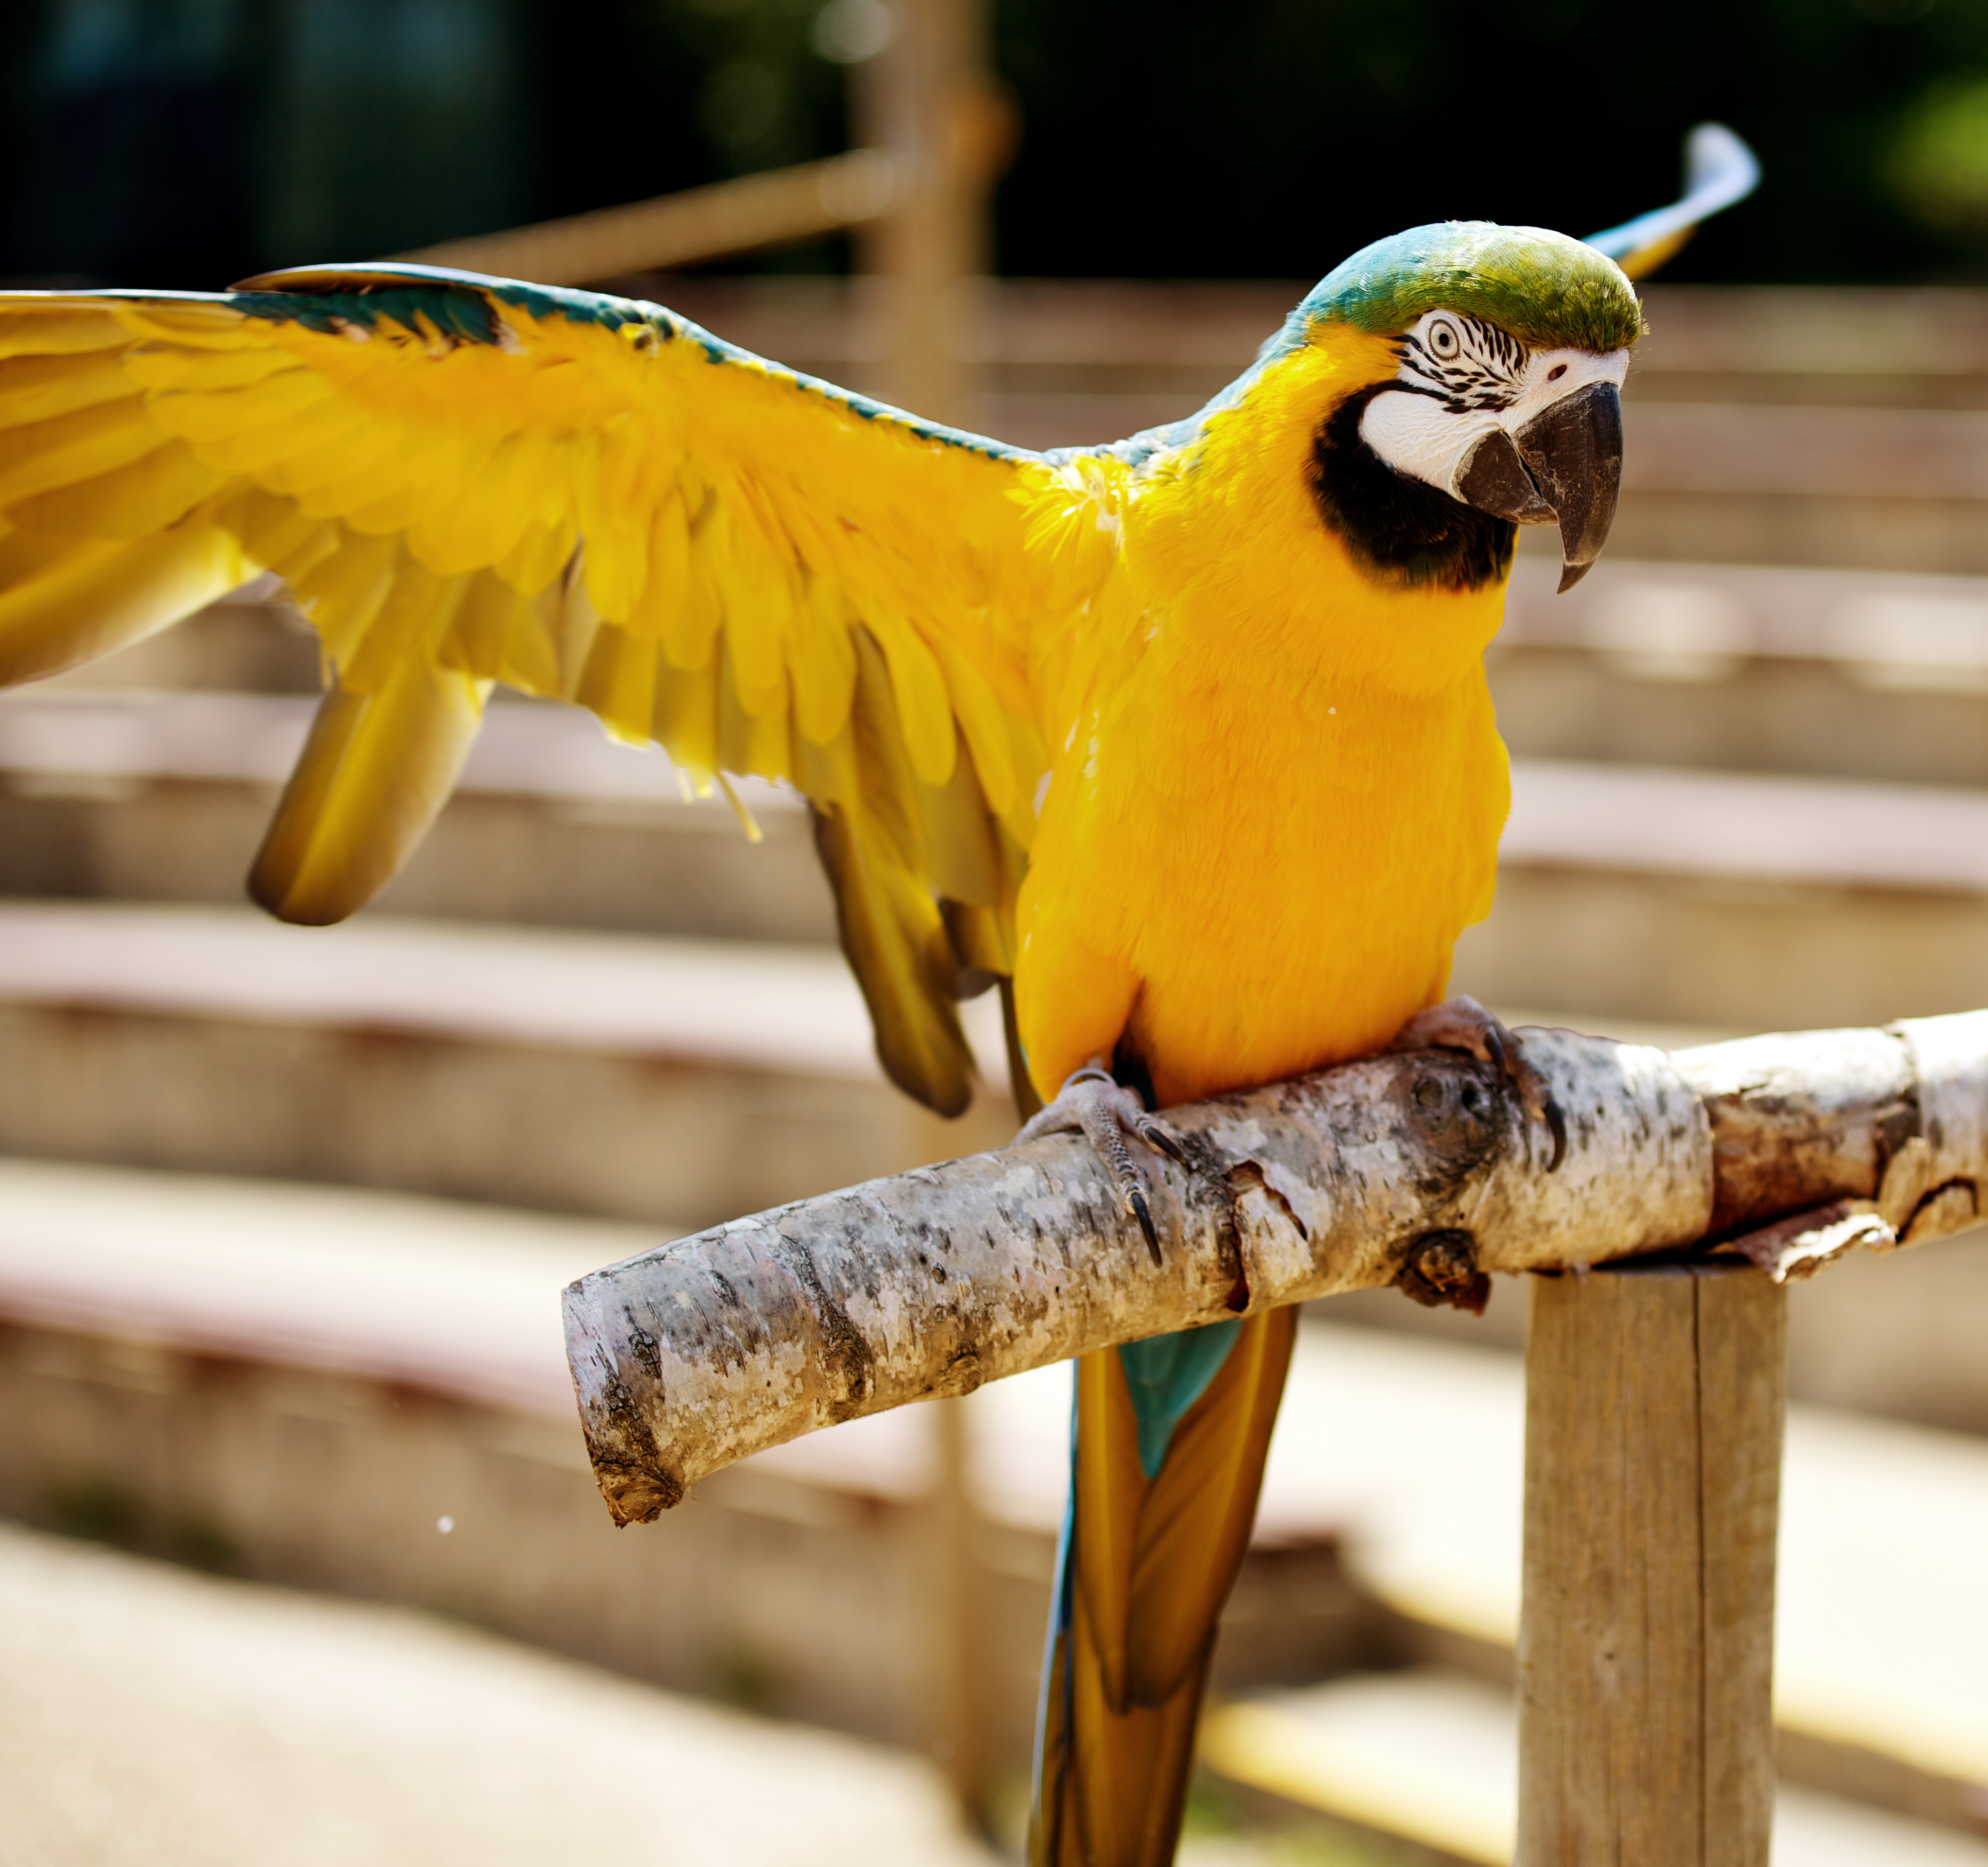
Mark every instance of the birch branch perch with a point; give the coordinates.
(1418, 1170)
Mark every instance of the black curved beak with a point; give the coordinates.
(1564, 467)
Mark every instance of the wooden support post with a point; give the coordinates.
(924, 100)
(921, 100)
(957, 1664)
(1654, 1400)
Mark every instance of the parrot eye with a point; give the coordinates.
(1443, 338)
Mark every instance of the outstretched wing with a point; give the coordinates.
(467, 480)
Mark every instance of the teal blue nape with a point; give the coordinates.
(1165, 1375)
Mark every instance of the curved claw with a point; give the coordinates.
(1557, 1127)
(1105, 1113)
(1162, 1139)
(1143, 1213)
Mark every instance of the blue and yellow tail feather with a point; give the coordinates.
(1719, 169)
(1170, 1439)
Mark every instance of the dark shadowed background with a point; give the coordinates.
(186, 142)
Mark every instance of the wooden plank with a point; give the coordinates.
(1743, 1400)
(954, 1643)
(1609, 1763)
(1903, 345)
(682, 229)
(673, 1081)
(1882, 626)
(1359, 1747)
(1937, 333)
(1654, 1408)
(1811, 452)
(1746, 826)
(1567, 813)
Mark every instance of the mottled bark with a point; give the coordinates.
(1418, 1170)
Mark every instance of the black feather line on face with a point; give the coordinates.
(1484, 374)
(1401, 531)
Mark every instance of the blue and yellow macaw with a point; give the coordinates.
(1185, 741)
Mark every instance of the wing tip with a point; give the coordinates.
(290, 881)
(361, 276)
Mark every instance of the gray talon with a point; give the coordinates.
(1557, 1127)
(1143, 1213)
(1105, 1112)
(1162, 1139)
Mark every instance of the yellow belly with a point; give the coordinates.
(1249, 882)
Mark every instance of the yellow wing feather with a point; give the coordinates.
(405, 742)
(466, 481)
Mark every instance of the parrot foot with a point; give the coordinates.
(1462, 1023)
(1091, 1103)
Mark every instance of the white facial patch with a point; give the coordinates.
(1462, 378)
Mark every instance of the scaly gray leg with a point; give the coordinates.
(1105, 1112)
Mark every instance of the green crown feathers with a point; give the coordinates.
(1546, 290)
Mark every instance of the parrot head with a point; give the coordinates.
(1502, 356)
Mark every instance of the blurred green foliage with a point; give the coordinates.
(1940, 160)
(187, 142)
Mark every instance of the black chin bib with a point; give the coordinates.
(1401, 530)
